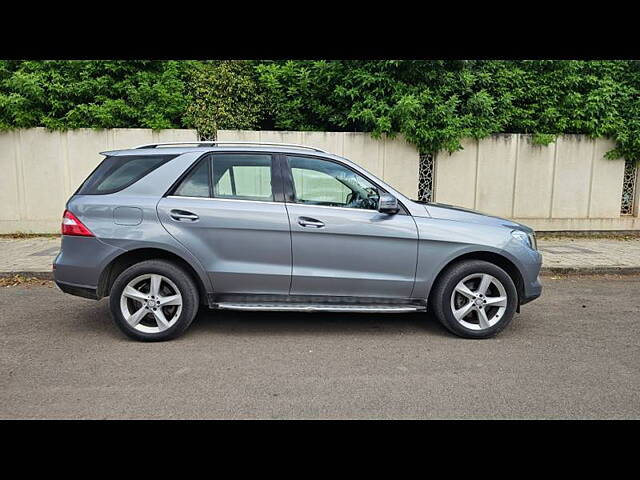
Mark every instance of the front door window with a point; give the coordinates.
(325, 183)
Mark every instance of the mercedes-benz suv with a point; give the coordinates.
(164, 229)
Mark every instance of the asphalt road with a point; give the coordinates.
(574, 353)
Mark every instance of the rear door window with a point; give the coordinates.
(118, 172)
(242, 177)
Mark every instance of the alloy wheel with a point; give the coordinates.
(151, 303)
(479, 301)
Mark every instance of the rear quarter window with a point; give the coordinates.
(118, 172)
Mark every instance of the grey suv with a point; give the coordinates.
(162, 229)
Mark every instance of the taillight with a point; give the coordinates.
(72, 226)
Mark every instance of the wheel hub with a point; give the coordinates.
(151, 303)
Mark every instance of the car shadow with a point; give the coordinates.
(274, 323)
(89, 317)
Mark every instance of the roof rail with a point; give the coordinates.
(216, 143)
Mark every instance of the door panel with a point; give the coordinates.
(354, 253)
(244, 246)
(341, 246)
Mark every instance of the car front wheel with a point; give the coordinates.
(153, 300)
(474, 299)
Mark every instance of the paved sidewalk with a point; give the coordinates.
(29, 255)
(590, 255)
(34, 256)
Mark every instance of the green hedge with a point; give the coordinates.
(434, 104)
(96, 94)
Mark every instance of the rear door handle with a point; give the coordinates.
(310, 222)
(183, 216)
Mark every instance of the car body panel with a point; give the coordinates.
(442, 241)
(454, 213)
(112, 240)
(81, 260)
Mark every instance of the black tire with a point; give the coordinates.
(440, 298)
(181, 279)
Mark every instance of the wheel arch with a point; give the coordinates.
(492, 257)
(130, 257)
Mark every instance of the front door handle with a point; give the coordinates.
(183, 216)
(310, 222)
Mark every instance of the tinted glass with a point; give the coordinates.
(242, 176)
(116, 173)
(320, 182)
(196, 184)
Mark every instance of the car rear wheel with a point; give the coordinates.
(154, 300)
(474, 299)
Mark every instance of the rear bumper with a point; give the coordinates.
(78, 290)
(81, 261)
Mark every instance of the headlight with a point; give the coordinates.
(528, 239)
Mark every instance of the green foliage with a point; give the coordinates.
(543, 138)
(433, 104)
(98, 94)
(224, 95)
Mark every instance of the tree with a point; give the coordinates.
(223, 95)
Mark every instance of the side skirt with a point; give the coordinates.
(315, 303)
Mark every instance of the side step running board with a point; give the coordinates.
(318, 307)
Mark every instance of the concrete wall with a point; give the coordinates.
(40, 169)
(567, 185)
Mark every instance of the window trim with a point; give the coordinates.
(218, 199)
(289, 189)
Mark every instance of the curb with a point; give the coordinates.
(604, 270)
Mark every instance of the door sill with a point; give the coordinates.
(319, 307)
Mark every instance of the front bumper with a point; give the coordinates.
(533, 291)
(530, 270)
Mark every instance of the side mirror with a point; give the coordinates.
(388, 204)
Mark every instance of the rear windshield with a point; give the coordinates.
(116, 173)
